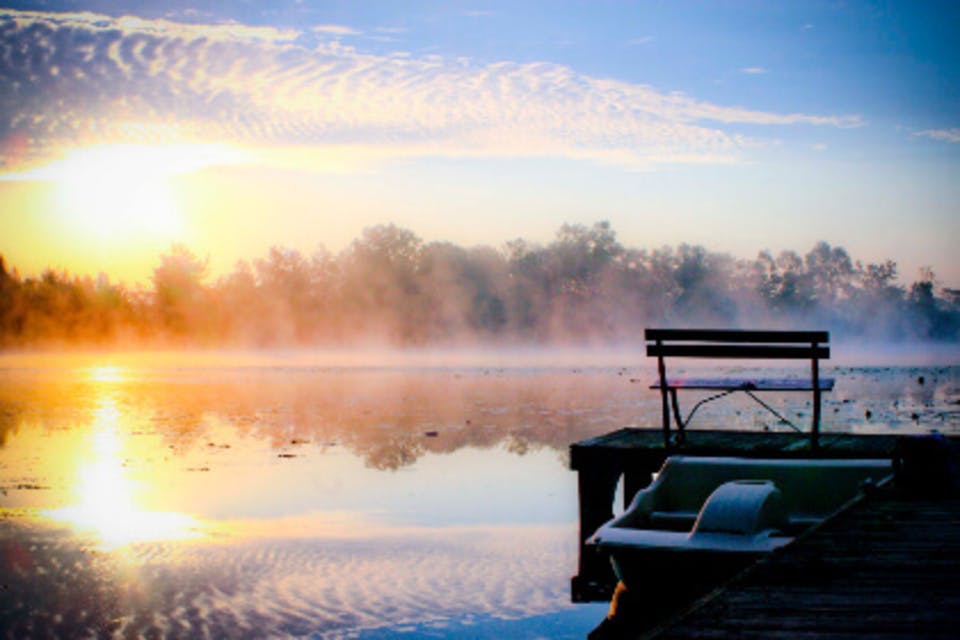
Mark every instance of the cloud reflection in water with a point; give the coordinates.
(333, 502)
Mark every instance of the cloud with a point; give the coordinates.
(335, 30)
(636, 42)
(80, 79)
(945, 135)
(754, 71)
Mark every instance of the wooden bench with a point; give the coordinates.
(737, 344)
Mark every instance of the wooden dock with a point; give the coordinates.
(634, 454)
(888, 567)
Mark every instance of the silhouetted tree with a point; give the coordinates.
(930, 314)
(702, 280)
(876, 305)
(528, 293)
(388, 286)
(379, 288)
(488, 276)
(286, 286)
(11, 324)
(242, 307)
(785, 284)
(181, 298)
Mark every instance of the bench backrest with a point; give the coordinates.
(737, 343)
(810, 487)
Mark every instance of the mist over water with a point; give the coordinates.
(390, 289)
(321, 494)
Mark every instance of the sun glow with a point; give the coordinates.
(107, 506)
(125, 192)
(106, 374)
(118, 192)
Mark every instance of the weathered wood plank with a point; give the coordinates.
(887, 568)
(749, 352)
(736, 335)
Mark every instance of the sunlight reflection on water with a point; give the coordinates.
(107, 497)
(331, 501)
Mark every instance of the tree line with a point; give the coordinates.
(390, 287)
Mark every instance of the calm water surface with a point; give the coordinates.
(310, 496)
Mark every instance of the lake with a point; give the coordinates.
(338, 495)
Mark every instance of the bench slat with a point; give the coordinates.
(748, 384)
(751, 351)
(737, 335)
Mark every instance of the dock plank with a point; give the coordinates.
(886, 568)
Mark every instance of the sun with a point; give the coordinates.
(124, 192)
(119, 192)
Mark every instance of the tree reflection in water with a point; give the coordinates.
(324, 499)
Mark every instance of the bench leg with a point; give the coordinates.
(681, 427)
(815, 427)
(662, 370)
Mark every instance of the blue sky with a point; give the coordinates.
(741, 126)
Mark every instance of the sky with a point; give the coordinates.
(232, 127)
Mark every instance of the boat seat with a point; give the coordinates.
(744, 507)
(743, 516)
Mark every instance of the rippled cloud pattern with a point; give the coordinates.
(68, 79)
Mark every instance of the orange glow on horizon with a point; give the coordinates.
(115, 209)
(109, 208)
